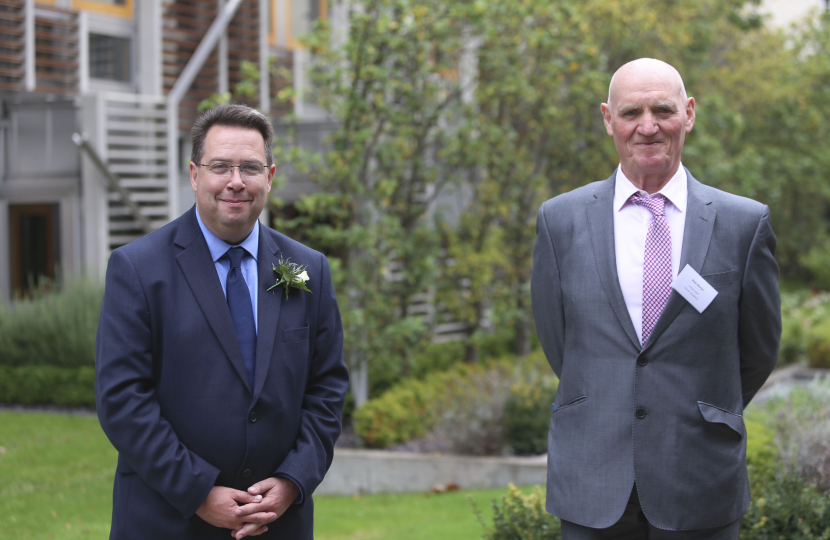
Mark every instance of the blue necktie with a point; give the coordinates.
(242, 312)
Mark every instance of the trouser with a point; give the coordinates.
(634, 526)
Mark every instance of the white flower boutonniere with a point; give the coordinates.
(290, 275)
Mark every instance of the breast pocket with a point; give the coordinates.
(295, 334)
(720, 279)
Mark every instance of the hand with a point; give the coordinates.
(219, 508)
(276, 495)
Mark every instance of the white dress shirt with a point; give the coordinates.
(631, 222)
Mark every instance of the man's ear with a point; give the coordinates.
(606, 117)
(271, 170)
(690, 114)
(194, 169)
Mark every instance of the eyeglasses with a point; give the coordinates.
(248, 170)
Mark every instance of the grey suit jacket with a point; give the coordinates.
(667, 415)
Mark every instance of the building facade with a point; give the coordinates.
(97, 98)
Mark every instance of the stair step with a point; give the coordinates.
(137, 154)
(160, 211)
(138, 169)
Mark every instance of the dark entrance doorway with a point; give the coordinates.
(34, 245)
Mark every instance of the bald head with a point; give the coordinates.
(648, 114)
(643, 69)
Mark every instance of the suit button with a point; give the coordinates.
(641, 413)
(642, 360)
(252, 417)
(247, 473)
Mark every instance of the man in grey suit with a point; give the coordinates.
(647, 438)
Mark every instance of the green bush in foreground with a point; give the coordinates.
(521, 517)
(53, 328)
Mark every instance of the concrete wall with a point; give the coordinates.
(377, 471)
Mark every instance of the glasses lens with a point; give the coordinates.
(251, 169)
(219, 169)
(245, 169)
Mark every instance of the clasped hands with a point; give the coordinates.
(263, 503)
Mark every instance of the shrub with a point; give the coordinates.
(799, 416)
(527, 415)
(761, 454)
(55, 329)
(462, 402)
(787, 508)
(48, 385)
(817, 341)
(805, 330)
(521, 517)
(472, 416)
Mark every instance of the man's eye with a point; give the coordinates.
(219, 167)
(252, 168)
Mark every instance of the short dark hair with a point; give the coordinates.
(231, 116)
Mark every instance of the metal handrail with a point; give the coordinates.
(82, 141)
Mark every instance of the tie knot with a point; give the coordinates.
(236, 254)
(655, 203)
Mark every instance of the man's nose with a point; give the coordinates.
(648, 126)
(235, 180)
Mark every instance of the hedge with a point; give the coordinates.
(48, 385)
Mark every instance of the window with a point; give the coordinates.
(118, 8)
(109, 58)
(292, 19)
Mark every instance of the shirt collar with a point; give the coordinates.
(675, 191)
(219, 247)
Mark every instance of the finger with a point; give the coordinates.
(262, 518)
(253, 508)
(263, 486)
(246, 498)
(260, 530)
(246, 530)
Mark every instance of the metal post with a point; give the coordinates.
(29, 81)
(264, 63)
(178, 91)
(223, 58)
(83, 53)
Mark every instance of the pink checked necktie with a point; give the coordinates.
(657, 274)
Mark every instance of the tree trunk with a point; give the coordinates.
(522, 327)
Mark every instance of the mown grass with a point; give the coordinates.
(56, 473)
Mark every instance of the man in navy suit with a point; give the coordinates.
(222, 399)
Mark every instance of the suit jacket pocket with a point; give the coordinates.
(295, 334)
(570, 403)
(716, 415)
(720, 279)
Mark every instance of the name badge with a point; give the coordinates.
(694, 289)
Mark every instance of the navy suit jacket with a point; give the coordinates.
(173, 395)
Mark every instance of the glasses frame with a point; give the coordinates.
(231, 168)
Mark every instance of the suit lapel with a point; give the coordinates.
(601, 222)
(700, 221)
(268, 307)
(200, 273)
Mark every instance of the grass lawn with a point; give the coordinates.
(56, 474)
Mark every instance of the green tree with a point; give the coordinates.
(393, 86)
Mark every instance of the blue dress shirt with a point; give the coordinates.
(219, 247)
